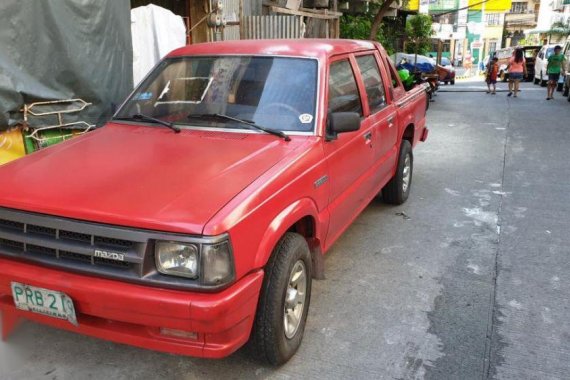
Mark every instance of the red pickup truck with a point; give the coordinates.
(195, 220)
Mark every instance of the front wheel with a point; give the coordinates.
(398, 189)
(452, 82)
(284, 301)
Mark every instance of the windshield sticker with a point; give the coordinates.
(305, 118)
(144, 96)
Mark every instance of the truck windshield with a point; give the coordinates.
(274, 92)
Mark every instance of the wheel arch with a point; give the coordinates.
(300, 217)
(409, 133)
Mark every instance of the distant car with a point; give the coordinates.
(446, 71)
(540, 75)
(503, 56)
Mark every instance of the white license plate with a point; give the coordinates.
(44, 301)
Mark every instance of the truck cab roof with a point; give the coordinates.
(312, 48)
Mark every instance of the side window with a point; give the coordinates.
(372, 81)
(393, 74)
(343, 91)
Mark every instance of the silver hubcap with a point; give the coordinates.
(407, 174)
(295, 299)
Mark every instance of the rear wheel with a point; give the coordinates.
(559, 87)
(452, 81)
(566, 91)
(398, 189)
(284, 301)
(542, 81)
(536, 80)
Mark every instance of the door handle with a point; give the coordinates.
(368, 136)
(390, 121)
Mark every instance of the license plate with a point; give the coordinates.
(44, 301)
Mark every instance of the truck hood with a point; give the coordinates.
(141, 176)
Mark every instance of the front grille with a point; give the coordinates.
(91, 248)
(11, 244)
(101, 240)
(75, 236)
(40, 250)
(71, 244)
(41, 230)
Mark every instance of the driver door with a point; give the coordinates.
(350, 155)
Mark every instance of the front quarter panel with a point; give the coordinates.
(258, 216)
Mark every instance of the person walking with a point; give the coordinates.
(554, 68)
(517, 70)
(491, 76)
(468, 63)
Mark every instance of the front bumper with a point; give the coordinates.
(133, 314)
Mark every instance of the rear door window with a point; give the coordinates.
(372, 82)
(343, 91)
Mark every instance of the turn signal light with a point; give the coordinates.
(179, 333)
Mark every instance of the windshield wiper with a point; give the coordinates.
(140, 116)
(241, 121)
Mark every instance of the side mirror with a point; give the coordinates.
(340, 122)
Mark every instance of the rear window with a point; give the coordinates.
(530, 53)
(549, 52)
(372, 81)
(445, 61)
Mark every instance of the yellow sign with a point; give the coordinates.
(490, 5)
(11, 146)
(413, 5)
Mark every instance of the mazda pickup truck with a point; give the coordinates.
(194, 221)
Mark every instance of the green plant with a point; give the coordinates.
(559, 29)
(418, 33)
(359, 27)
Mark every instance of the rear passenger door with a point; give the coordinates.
(380, 116)
(350, 156)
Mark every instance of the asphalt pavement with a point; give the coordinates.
(470, 279)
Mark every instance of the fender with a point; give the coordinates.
(283, 221)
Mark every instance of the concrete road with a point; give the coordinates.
(469, 279)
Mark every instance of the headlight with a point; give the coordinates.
(210, 264)
(177, 259)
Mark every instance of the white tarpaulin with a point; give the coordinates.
(156, 32)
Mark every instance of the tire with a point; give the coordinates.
(559, 87)
(446, 83)
(536, 80)
(271, 342)
(566, 91)
(397, 190)
(452, 82)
